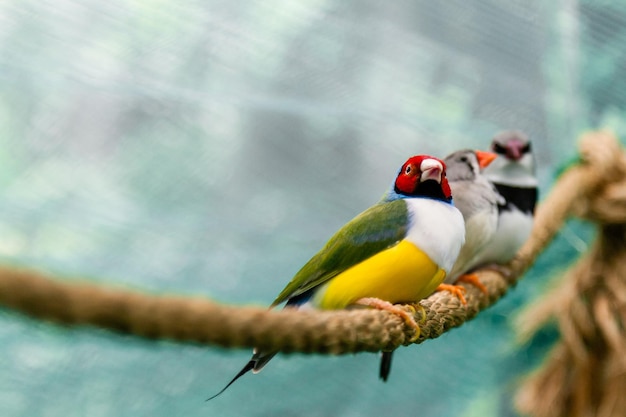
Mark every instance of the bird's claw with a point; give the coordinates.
(475, 281)
(408, 318)
(415, 307)
(456, 290)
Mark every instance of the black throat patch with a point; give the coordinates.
(524, 198)
(431, 189)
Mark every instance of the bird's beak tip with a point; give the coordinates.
(485, 158)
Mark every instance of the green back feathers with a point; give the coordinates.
(377, 228)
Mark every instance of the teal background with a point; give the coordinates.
(211, 147)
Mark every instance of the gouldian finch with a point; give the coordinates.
(477, 200)
(397, 251)
(497, 198)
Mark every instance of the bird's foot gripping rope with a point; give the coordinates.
(475, 281)
(456, 290)
(408, 318)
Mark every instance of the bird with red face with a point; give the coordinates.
(496, 192)
(477, 200)
(397, 251)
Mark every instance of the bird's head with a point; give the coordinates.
(512, 144)
(516, 162)
(423, 176)
(467, 164)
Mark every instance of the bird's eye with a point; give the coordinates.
(497, 148)
(525, 148)
(464, 159)
(408, 170)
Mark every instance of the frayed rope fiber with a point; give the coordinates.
(585, 373)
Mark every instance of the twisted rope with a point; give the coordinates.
(202, 321)
(585, 374)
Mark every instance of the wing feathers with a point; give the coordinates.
(377, 228)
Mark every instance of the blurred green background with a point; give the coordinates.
(211, 147)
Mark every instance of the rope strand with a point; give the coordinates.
(193, 319)
(585, 374)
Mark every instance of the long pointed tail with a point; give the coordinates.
(255, 364)
(249, 366)
(385, 365)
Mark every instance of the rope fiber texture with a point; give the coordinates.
(194, 319)
(585, 373)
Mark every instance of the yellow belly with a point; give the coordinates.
(402, 273)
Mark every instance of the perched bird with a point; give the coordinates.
(497, 205)
(513, 175)
(477, 200)
(397, 251)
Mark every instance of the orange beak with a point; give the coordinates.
(485, 158)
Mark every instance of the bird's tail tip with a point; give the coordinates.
(385, 365)
(249, 366)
